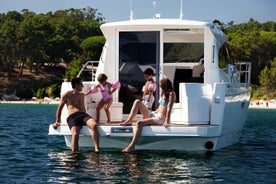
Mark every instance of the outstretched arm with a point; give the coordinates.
(60, 107)
(58, 112)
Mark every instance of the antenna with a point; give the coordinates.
(131, 11)
(156, 15)
(154, 7)
(181, 11)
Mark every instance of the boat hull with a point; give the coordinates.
(183, 138)
(162, 143)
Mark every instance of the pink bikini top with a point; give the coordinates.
(105, 92)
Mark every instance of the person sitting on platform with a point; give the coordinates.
(161, 116)
(74, 99)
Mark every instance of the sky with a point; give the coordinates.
(239, 11)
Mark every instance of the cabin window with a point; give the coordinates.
(224, 56)
(137, 51)
(183, 52)
(183, 63)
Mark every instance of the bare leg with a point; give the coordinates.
(137, 133)
(91, 123)
(75, 130)
(136, 107)
(98, 109)
(107, 115)
(106, 108)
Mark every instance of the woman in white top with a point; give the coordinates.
(148, 89)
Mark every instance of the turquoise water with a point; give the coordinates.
(29, 155)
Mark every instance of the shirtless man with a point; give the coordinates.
(74, 100)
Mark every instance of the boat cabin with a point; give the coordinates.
(192, 54)
(184, 51)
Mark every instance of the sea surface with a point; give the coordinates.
(29, 155)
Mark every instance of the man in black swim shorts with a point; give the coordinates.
(74, 99)
(77, 119)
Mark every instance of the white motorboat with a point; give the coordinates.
(212, 93)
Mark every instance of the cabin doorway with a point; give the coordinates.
(137, 51)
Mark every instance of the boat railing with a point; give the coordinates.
(89, 67)
(229, 76)
(243, 71)
(240, 72)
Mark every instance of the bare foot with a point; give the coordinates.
(128, 149)
(126, 123)
(55, 125)
(108, 122)
(97, 150)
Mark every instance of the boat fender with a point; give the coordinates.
(152, 87)
(94, 89)
(116, 84)
(209, 145)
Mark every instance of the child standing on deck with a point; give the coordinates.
(107, 89)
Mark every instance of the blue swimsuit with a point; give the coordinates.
(163, 102)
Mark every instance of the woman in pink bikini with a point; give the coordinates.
(107, 89)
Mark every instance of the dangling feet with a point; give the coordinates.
(128, 149)
(126, 123)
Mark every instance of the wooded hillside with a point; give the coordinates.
(38, 50)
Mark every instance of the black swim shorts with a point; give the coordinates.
(77, 119)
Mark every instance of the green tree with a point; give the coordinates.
(92, 47)
(34, 31)
(249, 42)
(8, 35)
(268, 80)
(40, 93)
(73, 69)
(53, 91)
(38, 42)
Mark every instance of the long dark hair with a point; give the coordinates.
(167, 87)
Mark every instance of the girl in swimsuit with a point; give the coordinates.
(107, 90)
(161, 116)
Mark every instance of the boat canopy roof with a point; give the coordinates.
(156, 22)
(196, 27)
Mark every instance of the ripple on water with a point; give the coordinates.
(29, 155)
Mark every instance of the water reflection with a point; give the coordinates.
(134, 165)
(250, 161)
(151, 167)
